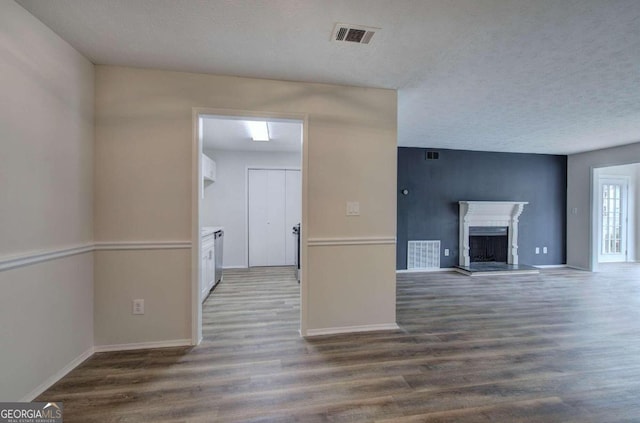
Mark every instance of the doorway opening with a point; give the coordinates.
(249, 189)
(615, 232)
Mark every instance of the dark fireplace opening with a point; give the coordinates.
(488, 244)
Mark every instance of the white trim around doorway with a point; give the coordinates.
(196, 206)
(597, 173)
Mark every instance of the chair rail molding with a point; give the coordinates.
(374, 240)
(142, 245)
(33, 257)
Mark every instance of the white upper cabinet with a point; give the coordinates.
(208, 168)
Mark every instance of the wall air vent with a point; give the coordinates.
(353, 33)
(432, 155)
(423, 255)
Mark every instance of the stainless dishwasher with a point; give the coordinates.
(217, 248)
(296, 233)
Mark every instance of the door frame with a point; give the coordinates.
(624, 208)
(196, 206)
(597, 172)
(246, 199)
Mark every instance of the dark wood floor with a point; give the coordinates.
(562, 346)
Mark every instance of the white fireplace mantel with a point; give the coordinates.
(490, 213)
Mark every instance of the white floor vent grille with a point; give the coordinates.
(423, 255)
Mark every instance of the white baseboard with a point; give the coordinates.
(100, 348)
(550, 266)
(235, 267)
(578, 268)
(57, 376)
(351, 329)
(143, 345)
(440, 269)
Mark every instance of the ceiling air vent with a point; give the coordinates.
(353, 33)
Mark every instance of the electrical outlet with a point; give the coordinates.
(544, 250)
(446, 252)
(138, 307)
(353, 208)
(574, 210)
(537, 250)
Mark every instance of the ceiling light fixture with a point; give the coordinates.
(259, 130)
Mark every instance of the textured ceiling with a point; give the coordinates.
(223, 133)
(541, 76)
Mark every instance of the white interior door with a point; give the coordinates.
(293, 212)
(612, 220)
(267, 224)
(276, 225)
(258, 229)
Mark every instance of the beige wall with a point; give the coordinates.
(349, 270)
(46, 310)
(143, 184)
(161, 277)
(46, 173)
(579, 169)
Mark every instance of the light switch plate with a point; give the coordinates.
(544, 250)
(353, 208)
(138, 307)
(537, 250)
(446, 252)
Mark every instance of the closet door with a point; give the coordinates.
(293, 212)
(267, 192)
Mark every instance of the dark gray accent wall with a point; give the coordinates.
(430, 210)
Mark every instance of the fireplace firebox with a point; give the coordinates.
(488, 244)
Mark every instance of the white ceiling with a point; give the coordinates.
(541, 76)
(222, 133)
